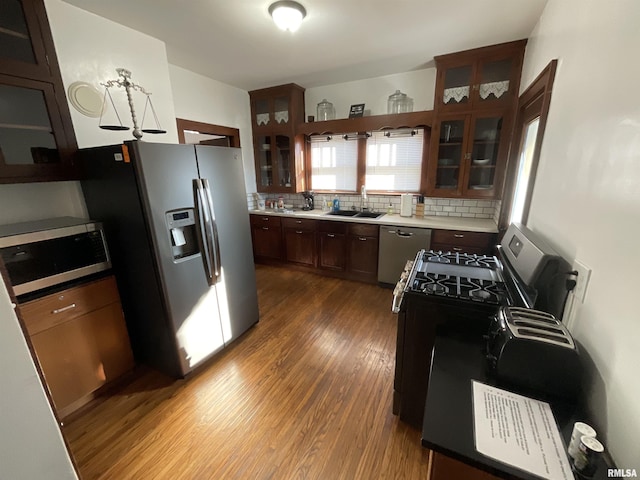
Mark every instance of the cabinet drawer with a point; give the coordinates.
(304, 224)
(265, 220)
(332, 227)
(462, 238)
(54, 309)
(363, 230)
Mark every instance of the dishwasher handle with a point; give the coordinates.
(400, 233)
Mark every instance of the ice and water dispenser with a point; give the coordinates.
(182, 231)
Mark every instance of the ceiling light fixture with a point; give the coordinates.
(287, 14)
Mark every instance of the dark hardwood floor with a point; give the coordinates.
(305, 394)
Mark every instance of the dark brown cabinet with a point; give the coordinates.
(475, 99)
(37, 142)
(486, 77)
(300, 241)
(266, 236)
(468, 155)
(461, 241)
(279, 164)
(362, 258)
(332, 246)
(80, 339)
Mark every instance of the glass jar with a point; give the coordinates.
(399, 103)
(325, 110)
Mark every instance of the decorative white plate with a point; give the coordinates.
(481, 161)
(85, 98)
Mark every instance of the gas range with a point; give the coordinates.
(463, 276)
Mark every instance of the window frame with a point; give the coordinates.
(362, 164)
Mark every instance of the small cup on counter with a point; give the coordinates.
(580, 429)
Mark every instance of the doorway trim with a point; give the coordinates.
(534, 102)
(208, 128)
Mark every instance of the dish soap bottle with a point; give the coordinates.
(336, 203)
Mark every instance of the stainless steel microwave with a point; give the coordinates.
(49, 252)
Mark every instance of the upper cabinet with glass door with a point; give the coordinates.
(485, 77)
(469, 155)
(275, 113)
(37, 142)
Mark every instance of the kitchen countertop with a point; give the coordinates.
(483, 225)
(458, 358)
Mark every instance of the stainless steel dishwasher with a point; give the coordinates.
(397, 245)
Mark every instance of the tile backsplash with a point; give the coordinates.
(448, 207)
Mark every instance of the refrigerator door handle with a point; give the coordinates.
(202, 216)
(213, 228)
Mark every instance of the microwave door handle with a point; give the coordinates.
(213, 229)
(202, 230)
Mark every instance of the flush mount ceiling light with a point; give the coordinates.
(287, 14)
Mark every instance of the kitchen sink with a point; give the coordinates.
(355, 213)
(344, 213)
(369, 214)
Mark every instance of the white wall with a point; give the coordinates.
(374, 93)
(202, 99)
(587, 195)
(89, 49)
(31, 445)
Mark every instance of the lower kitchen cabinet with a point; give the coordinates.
(266, 236)
(461, 241)
(332, 246)
(362, 248)
(446, 468)
(80, 340)
(300, 241)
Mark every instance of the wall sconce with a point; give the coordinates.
(287, 14)
(124, 80)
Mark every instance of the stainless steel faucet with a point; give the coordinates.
(363, 197)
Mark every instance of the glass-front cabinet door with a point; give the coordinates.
(33, 140)
(274, 162)
(450, 155)
(457, 82)
(493, 82)
(483, 146)
(22, 49)
(467, 155)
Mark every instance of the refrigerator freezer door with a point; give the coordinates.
(237, 294)
(166, 176)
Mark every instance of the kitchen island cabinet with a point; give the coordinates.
(80, 340)
(37, 142)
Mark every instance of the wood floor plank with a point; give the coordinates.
(305, 394)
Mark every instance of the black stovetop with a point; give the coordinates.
(462, 276)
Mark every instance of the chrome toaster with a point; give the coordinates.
(531, 349)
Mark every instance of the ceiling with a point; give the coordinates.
(236, 42)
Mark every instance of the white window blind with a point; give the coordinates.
(394, 161)
(334, 163)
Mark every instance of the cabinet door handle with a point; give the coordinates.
(265, 228)
(298, 221)
(266, 219)
(362, 239)
(63, 309)
(458, 235)
(467, 156)
(330, 235)
(457, 249)
(298, 232)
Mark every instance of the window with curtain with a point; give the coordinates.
(394, 160)
(334, 163)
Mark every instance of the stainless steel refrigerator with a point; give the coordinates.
(177, 225)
